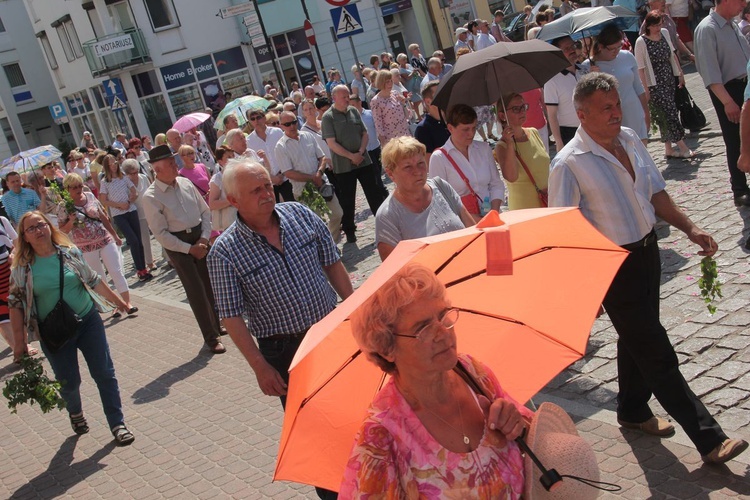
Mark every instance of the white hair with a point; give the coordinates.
(235, 167)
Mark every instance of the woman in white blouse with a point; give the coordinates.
(467, 165)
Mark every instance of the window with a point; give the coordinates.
(68, 38)
(51, 60)
(15, 75)
(162, 14)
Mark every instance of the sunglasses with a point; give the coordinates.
(274, 123)
(256, 117)
(289, 124)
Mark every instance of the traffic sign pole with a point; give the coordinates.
(269, 43)
(356, 58)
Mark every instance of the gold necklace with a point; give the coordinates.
(466, 439)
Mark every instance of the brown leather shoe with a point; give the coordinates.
(654, 426)
(726, 451)
(218, 348)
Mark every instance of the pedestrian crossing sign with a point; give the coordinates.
(346, 21)
(118, 103)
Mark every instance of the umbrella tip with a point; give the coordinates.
(492, 219)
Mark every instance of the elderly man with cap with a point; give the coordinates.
(462, 39)
(181, 221)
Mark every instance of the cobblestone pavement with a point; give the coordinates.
(204, 430)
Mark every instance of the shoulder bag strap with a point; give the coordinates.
(62, 282)
(472, 382)
(528, 172)
(460, 173)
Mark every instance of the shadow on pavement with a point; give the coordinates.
(745, 236)
(671, 262)
(159, 388)
(666, 474)
(61, 473)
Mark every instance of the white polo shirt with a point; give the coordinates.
(559, 92)
(273, 134)
(302, 155)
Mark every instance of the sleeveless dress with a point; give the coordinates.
(662, 94)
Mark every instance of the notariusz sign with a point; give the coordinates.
(112, 45)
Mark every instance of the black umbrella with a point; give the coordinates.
(480, 78)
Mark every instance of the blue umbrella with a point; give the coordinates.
(589, 21)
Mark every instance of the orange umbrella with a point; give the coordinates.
(526, 312)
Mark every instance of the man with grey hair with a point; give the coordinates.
(181, 221)
(301, 160)
(346, 136)
(434, 68)
(607, 172)
(174, 139)
(259, 278)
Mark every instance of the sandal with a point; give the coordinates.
(79, 424)
(133, 310)
(123, 436)
(117, 315)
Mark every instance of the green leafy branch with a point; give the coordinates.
(33, 385)
(314, 200)
(709, 283)
(70, 206)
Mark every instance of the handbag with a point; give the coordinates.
(326, 190)
(691, 116)
(61, 324)
(541, 193)
(471, 201)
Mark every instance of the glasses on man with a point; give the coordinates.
(36, 228)
(289, 124)
(427, 333)
(518, 109)
(256, 118)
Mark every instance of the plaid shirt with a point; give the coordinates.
(281, 293)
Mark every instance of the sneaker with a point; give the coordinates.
(726, 451)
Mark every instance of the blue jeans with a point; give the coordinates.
(92, 342)
(130, 226)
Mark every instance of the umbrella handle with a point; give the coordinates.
(550, 477)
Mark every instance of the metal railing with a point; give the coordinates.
(116, 51)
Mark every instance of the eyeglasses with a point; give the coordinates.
(36, 228)
(426, 334)
(78, 186)
(289, 124)
(256, 117)
(274, 123)
(615, 47)
(518, 109)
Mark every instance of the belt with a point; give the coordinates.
(189, 235)
(282, 336)
(643, 242)
(741, 79)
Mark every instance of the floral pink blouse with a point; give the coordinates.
(389, 117)
(394, 456)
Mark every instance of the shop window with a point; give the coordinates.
(48, 53)
(157, 114)
(146, 83)
(15, 75)
(186, 100)
(162, 14)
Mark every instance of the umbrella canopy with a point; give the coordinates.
(480, 78)
(190, 121)
(526, 326)
(30, 159)
(589, 21)
(239, 107)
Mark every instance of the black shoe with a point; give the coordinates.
(350, 237)
(742, 200)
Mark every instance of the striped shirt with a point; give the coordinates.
(17, 204)
(587, 176)
(280, 293)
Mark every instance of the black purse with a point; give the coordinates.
(691, 116)
(61, 324)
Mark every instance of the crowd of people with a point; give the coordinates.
(212, 198)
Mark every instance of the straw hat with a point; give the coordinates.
(555, 441)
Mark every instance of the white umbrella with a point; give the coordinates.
(30, 159)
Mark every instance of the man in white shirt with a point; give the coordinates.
(264, 138)
(558, 95)
(607, 172)
(462, 39)
(484, 39)
(301, 160)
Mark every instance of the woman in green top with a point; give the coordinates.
(519, 152)
(34, 291)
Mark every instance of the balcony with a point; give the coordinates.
(116, 51)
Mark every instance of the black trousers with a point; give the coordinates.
(375, 157)
(285, 190)
(347, 188)
(567, 134)
(731, 133)
(646, 361)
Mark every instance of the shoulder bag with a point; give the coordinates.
(471, 201)
(541, 193)
(691, 116)
(61, 324)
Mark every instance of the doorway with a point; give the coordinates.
(397, 44)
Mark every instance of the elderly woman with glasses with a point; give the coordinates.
(427, 433)
(43, 255)
(197, 173)
(87, 225)
(523, 159)
(607, 56)
(419, 206)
